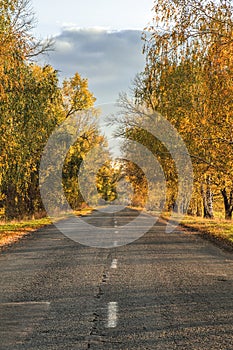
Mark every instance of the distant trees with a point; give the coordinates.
(188, 79)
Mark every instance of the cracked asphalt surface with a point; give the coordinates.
(163, 291)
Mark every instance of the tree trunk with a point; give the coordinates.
(228, 203)
(199, 208)
(10, 202)
(207, 197)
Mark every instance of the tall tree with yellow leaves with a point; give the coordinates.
(188, 79)
(32, 105)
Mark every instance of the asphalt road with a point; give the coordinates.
(163, 291)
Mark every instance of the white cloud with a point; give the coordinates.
(63, 47)
(109, 59)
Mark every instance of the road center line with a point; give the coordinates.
(112, 314)
(26, 303)
(114, 264)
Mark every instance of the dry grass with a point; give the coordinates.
(218, 229)
(12, 231)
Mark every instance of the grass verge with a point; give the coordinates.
(12, 231)
(217, 230)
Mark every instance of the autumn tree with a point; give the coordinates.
(32, 106)
(19, 86)
(188, 79)
(76, 96)
(106, 181)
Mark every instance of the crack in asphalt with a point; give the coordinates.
(95, 337)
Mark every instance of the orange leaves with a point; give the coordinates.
(188, 78)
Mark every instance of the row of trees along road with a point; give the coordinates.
(32, 104)
(188, 79)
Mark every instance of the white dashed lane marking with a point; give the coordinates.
(114, 264)
(112, 315)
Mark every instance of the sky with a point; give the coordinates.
(99, 39)
(52, 15)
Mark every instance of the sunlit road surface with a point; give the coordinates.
(163, 291)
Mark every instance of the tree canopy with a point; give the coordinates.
(188, 79)
(32, 104)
